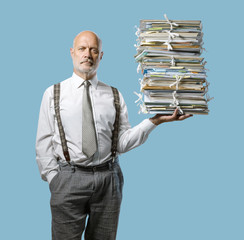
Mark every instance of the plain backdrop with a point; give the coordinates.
(186, 181)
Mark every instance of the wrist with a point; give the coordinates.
(154, 121)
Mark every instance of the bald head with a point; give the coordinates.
(88, 34)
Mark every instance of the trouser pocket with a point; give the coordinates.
(118, 180)
(53, 181)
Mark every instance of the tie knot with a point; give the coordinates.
(87, 83)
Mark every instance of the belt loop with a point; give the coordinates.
(110, 166)
(72, 167)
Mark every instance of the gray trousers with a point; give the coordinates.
(77, 193)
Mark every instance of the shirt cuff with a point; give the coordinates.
(147, 125)
(51, 175)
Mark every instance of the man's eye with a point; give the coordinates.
(95, 51)
(81, 49)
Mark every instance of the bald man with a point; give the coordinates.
(76, 132)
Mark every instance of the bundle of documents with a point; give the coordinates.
(174, 74)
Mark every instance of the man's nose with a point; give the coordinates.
(87, 53)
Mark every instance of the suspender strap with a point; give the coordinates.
(116, 122)
(60, 126)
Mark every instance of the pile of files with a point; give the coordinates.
(174, 74)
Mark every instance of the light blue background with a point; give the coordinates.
(186, 181)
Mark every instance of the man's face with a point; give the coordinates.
(86, 54)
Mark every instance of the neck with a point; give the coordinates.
(85, 76)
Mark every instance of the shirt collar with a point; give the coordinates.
(78, 81)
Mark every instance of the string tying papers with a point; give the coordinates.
(177, 81)
(208, 98)
(143, 109)
(175, 103)
(139, 100)
(171, 35)
(143, 83)
(138, 68)
(167, 43)
(170, 22)
(137, 33)
(172, 61)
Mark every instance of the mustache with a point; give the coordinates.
(87, 60)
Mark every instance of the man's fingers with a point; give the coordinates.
(182, 117)
(174, 115)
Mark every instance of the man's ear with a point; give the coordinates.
(101, 56)
(71, 52)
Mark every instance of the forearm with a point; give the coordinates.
(134, 137)
(48, 168)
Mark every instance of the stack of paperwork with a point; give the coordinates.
(174, 74)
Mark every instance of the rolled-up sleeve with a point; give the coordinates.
(130, 138)
(45, 158)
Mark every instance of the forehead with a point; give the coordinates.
(86, 39)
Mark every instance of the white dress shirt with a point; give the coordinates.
(48, 143)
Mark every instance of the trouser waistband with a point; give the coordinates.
(100, 167)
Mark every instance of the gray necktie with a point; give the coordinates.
(89, 142)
